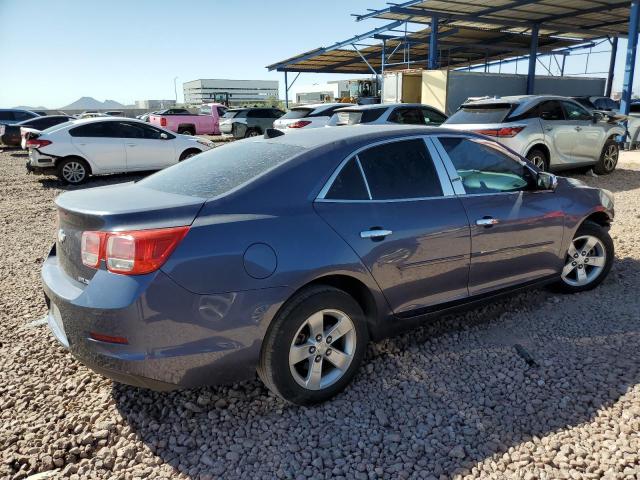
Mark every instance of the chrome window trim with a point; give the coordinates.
(445, 183)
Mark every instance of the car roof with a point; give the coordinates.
(313, 106)
(374, 106)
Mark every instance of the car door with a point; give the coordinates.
(145, 147)
(516, 230)
(559, 134)
(100, 144)
(589, 135)
(393, 203)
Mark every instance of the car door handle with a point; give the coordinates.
(487, 221)
(548, 129)
(376, 233)
(132, 145)
(578, 128)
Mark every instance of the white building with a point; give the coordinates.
(233, 92)
(154, 104)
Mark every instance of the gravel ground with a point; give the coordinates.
(451, 400)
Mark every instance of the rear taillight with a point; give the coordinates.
(501, 132)
(299, 124)
(163, 122)
(37, 143)
(131, 253)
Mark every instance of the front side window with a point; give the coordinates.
(551, 111)
(432, 117)
(400, 170)
(349, 184)
(483, 168)
(407, 116)
(575, 111)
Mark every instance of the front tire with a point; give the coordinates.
(588, 260)
(73, 170)
(314, 347)
(608, 158)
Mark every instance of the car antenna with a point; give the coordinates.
(272, 133)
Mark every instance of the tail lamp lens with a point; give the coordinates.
(299, 124)
(163, 122)
(501, 132)
(132, 253)
(37, 143)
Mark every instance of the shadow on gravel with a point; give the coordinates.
(620, 180)
(439, 399)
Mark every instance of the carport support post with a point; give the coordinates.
(632, 44)
(612, 66)
(286, 90)
(533, 53)
(433, 43)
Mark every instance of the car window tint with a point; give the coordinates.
(6, 115)
(371, 114)
(349, 184)
(407, 116)
(486, 113)
(483, 168)
(433, 117)
(573, 111)
(129, 130)
(221, 169)
(297, 113)
(551, 111)
(20, 116)
(98, 129)
(221, 111)
(400, 170)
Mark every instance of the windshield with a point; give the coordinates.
(297, 113)
(235, 114)
(222, 169)
(492, 113)
(205, 110)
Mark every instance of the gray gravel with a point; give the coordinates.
(451, 400)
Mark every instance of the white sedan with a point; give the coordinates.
(94, 146)
(308, 116)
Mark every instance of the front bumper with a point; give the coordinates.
(175, 338)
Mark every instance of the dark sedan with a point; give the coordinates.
(286, 255)
(12, 137)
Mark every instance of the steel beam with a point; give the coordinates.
(533, 54)
(286, 90)
(632, 45)
(612, 66)
(433, 43)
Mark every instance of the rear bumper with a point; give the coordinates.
(175, 338)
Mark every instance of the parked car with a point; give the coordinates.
(308, 116)
(75, 150)
(287, 254)
(206, 122)
(11, 116)
(114, 113)
(552, 132)
(598, 103)
(248, 122)
(145, 116)
(388, 114)
(12, 133)
(611, 108)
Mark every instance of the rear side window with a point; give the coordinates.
(492, 113)
(221, 169)
(433, 117)
(407, 116)
(349, 184)
(354, 117)
(6, 115)
(258, 113)
(20, 116)
(400, 170)
(297, 113)
(235, 114)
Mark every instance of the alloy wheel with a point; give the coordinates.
(585, 260)
(322, 349)
(73, 172)
(610, 159)
(538, 161)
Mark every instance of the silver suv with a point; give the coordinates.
(552, 132)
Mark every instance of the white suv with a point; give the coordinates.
(308, 116)
(79, 148)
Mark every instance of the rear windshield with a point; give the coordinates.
(235, 114)
(495, 113)
(220, 170)
(297, 113)
(354, 117)
(56, 127)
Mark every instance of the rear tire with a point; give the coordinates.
(73, 170)
(608, 158)
(539, 159)
(252, 132)
(188, 154)
(304, 345)
(186, 131)
(588, 261)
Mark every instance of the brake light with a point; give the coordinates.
(501, 132)
(299, 124)
(37, 143)
(131, 253)
(163, 122)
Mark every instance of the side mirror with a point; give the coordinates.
(546, 181)
(596, 117)
(164, 136)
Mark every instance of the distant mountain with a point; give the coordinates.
(90, 103)
(24, 107)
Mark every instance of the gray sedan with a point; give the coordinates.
(286, 255)
(554, 133)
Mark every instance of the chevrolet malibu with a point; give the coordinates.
(286, 255)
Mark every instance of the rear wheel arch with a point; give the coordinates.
(189, 152)
(542, 148)
(59, 160)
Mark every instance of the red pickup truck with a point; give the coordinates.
(207, 122)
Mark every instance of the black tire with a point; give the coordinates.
(188, 154)
(186, 131)
(274, 368)
(251, 132)
(608, 158)
(539, 158)
(67, 166)
(591, 229)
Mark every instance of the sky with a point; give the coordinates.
(54, 52)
